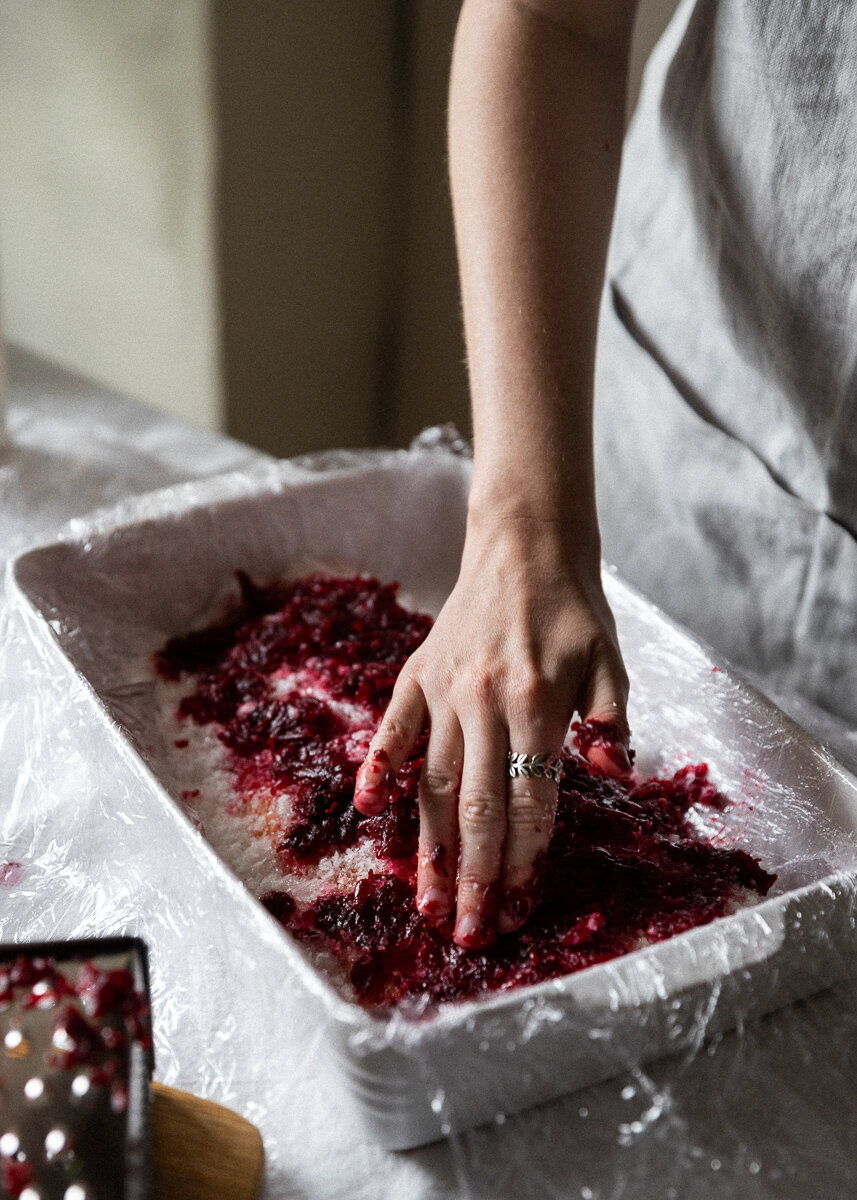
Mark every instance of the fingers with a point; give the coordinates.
(482, 833)
(529, 823)
(605, 737)
(401, 726)
(538, 725)
(476, 822)
(439, 787)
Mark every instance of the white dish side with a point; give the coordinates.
(116, 590)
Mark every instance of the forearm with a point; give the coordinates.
(526, 638)
(537, 106)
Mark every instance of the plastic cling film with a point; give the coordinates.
(645, 1076)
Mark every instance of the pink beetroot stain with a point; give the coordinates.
(11, 874)
(519, 902)
(623, 865)
(372, 777)
(17, 1174)
(437, 858)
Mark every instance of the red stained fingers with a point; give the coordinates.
(539, 716)
(605, 747)
(482, 833)
(530, 819)
(402, 723)
(439, 789)
(604, 737)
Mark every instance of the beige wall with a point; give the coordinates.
(106, 169)
(304, 293)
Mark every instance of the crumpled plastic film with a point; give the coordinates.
(732, 1103)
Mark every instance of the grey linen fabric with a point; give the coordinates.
(726, 401)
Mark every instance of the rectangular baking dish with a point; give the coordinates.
(121, 584)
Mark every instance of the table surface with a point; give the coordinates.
(769, 1111)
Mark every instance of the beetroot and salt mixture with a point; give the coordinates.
(292, 684)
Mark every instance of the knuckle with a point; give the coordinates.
(479, 687)
(438, 783)
(480, 809)
(530, 695)
(532, 808)
(475, 886)
(412, 665)
(415, 676)
(391, 732)
(602, 648)
(605, 650)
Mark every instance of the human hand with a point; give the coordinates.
(524, 640)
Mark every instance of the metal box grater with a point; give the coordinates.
(74, 1116)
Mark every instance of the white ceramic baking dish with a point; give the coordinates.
(117, 588)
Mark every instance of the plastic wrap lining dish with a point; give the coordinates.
(113, 594)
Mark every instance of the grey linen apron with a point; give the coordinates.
(726, 398)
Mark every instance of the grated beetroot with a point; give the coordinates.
(351, 633)
(624, 865)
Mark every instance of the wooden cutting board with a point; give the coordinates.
(201, 1150)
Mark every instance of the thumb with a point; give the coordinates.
(603, 737)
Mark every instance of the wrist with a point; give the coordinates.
(551, 476)
(552, 505)
(563, 537)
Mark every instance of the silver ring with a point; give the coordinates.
(534, 766)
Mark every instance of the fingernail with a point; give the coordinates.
(471, 933)
(370, 800)
(513, 914)
(374, 769)
(370, 790)
(618, 755)
(507, 923)
(434, 902)
(468, 931)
